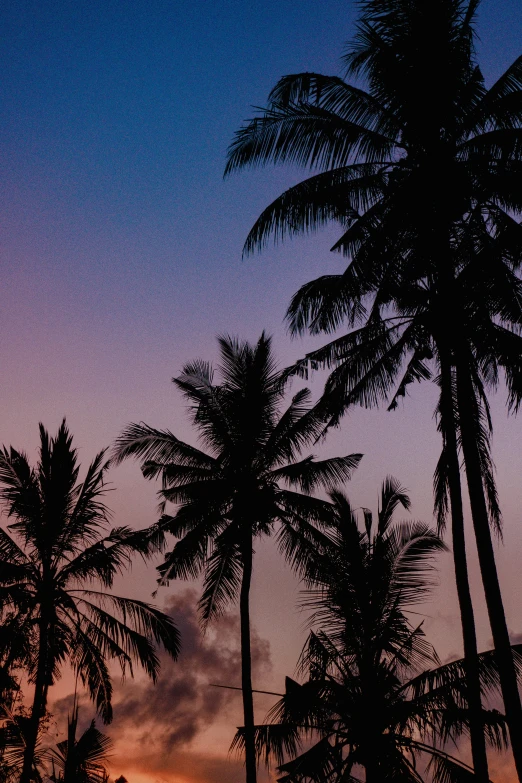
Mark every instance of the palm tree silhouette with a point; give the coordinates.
(367, 700)
(52, 556)
(83, 759)
(15, 651)
(377, 363)
(420, 170)
(14, 728)
(230, 495)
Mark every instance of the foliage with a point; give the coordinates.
(250, 483)
(418, 162)
(81, 760)
(53, 555)
(249, 479)
(375, 695)
(14, 724)
(420, 169)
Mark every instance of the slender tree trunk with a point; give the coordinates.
(246, 662)
(467, 618)
(39, 705)
(467, 406)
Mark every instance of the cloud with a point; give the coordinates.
(182, 703)
(181, 728)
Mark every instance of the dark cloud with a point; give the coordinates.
(155, 724)
(61, 710)
(157, 729)
(182, 703)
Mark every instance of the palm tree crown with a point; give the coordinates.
(425, 119)
(247, 481)
(421, 170)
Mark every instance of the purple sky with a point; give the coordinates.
(121, 257)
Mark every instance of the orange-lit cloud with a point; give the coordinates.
(180, 728)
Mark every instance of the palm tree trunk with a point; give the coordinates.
(39, 704)
(246, 662)
(467, 406)
(371, 768)
(467, 617)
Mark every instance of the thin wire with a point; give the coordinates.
(235, 688)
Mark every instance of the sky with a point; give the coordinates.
(120, 246)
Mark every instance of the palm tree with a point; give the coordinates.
(13, 736)
(81, 760)
(368, 700)
(378, 361)
(385, 156)
(15, 651)
(230, 495)
(53, 555)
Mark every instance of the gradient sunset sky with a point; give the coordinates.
(121, 260)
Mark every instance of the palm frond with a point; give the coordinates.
(392, 496)
(223, 571)
(272, 741)
(89, 513)
(325, 304)
(141, 628)
(147, 444)
(337, 196)
(89, 661)
(413, 545)
(309, 474)
(306, 135)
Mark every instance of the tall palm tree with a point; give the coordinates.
(54, 557)
(392, 350)
(248, 484)
(422, 162)
(367, 699)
